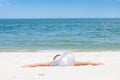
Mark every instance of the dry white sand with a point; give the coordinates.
(11, 62)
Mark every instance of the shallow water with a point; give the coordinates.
(79, 34)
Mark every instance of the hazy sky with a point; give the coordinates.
(59, 8)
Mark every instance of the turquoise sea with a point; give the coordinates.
(60, 34)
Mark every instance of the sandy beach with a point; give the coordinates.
(11, 66)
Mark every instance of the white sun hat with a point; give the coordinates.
(65, 59)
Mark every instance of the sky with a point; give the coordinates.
(59, 9)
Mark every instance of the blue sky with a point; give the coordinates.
(59, 8)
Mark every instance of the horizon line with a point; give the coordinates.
(65, 18)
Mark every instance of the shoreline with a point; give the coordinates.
(46, 50)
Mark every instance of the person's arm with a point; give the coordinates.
(87, 63)
(37, 64)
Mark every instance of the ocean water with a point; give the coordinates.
(60, 34)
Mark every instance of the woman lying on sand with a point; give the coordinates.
(66, 59)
